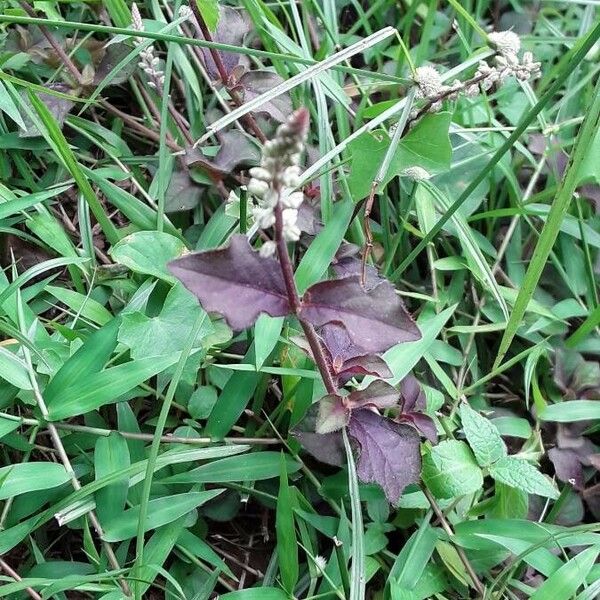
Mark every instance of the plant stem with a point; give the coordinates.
(4, 566)
(64, 57)
(58, 445)
(357, 587)
(248, 119)
(461, 553)
(292, 292)
(165, 439)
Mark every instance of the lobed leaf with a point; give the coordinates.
(388, 452)
(234, 281)
(375, 319)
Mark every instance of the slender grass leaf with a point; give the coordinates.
(287, 547)
(252, 467)
(29, 477)
(161, 511)
(99, 389)
(551, 228)
(59, 144)
(562, 584)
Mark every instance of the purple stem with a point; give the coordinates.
(294, 300)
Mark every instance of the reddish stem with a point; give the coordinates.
(248, 119)
(296, 304)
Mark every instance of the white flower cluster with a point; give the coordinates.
(274, 183)
(149, 62)
(416, 173)
(430, 87)
(507, 62)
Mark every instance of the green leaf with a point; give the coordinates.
(59, 144)
(52, 233)
(562, 584)
(427, 146)
(202, 401)
(450, 470)
(111, 455)
(263, 593)
(551, 227)
(403, 357)
(267, 330)
(322, 249)
(157, 550)
(98, 389)
(252, 467)
(233, 399)
(482, 435)
(590, 167)
(140, 214)
(148, 252)
(7, 425)
(21, 478)
(522, 475)
(160, 512)
(167, 332)
(8, 107)
(82, 305)
(209, 9)
(571, 411)
(287, 548)
(14, 369)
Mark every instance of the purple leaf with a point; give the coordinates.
(338, 344)
(347, 358)
(375, 319)
(327, 448)
(234, 281)
(231, 29)
(567, 466)
(413, 398)
(369, 364)
(347, 266)
(423, 423)
(379, 394)
(236, 149)
(388, 452)
(256, 83)
(333, 415)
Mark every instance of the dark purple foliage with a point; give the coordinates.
(375, 319)
(413, 404)
(567, 465)
(388, 452)
(328, 447)
(348, 359)
(234, 281)
(231, 29)
(255, 83)
(378, 394)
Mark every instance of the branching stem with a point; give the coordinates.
(461, 553)
(294, 300)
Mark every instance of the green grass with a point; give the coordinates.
(146, 450)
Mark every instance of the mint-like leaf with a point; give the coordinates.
(450, 470)
(375, 319)
(482, 435)
(388, 452)
(522, 475)
(234, 281)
